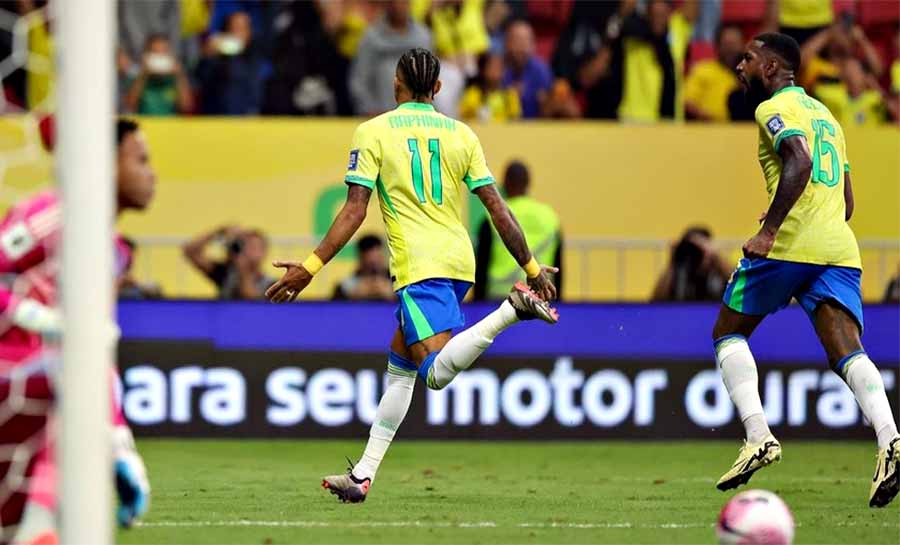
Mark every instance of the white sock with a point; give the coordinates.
(494, 323)
(740, 377)
(463, 349)
(864, 380)
(388, 417)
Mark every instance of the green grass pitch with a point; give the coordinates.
(267, 492)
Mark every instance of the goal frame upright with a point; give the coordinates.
(84, 169)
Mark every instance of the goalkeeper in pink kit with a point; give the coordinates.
(29, 244)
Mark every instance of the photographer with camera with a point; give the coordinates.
(161, 87)
(371, 281)
(239, 276)
(696, 271)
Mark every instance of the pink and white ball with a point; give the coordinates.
(755, 517)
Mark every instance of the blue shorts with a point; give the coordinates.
(430, 307)
(762, 286)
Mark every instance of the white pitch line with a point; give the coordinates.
(437, 524)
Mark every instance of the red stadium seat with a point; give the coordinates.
(743, 11)
(873, 12)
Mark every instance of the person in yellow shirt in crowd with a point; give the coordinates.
(654, 48)
(486, 99)
(540, 224)
(460, 35)
(856, 99)
(711, 81)
(800, 19)
(840, 66)
(893, 102)
(823, 53)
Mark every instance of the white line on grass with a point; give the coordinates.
(438, 524)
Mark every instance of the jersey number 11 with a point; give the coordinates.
(434, 146)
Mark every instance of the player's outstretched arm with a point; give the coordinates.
(298, 275)
(511, 233)
(797, 165)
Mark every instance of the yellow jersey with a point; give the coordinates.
(418, 160)
(814, 230)
(708, 85)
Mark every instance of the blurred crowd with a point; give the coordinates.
(632, 60)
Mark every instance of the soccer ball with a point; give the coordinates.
(755, 517)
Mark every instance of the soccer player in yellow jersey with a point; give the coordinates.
(418, 160)
(804, 250)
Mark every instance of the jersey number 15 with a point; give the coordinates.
(821, 148)
(434, 147)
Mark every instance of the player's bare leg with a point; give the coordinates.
(740, 376)
(839, 334)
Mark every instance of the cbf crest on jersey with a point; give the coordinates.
(775, 124)
(354, 159)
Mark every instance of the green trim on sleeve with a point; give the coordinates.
(784, 134)
(846, 167)
(359, 180)
(475, 184)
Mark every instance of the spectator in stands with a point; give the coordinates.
(161, 87)
(711, 81)
(371, 281)
(486, 99)
(892, 293)
(496, 15)
(857, 100)
(347, 21)
(654, 46)
(588, 57)
(310, 74)
(195, 18)
(846, 83)
(261, 19)
(823, 54)
(893, 102)
(460, 35)
(233, 71)
(239, 275)
(525, 71)
(372, 71)
(696, 271)
(138, 21)
(129, 287)
(800, 19)
(495, 270)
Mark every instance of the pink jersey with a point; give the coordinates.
(29, 243)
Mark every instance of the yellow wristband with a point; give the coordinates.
(532, 269)
(313, 264)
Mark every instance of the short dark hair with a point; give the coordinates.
(124, 127)
(516, 176)
(419, 69)
(784, 46)
(368, 242)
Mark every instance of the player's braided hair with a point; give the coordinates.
(419, 69)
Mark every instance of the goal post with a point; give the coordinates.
(84, 169)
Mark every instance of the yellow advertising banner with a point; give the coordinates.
(607, 182)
